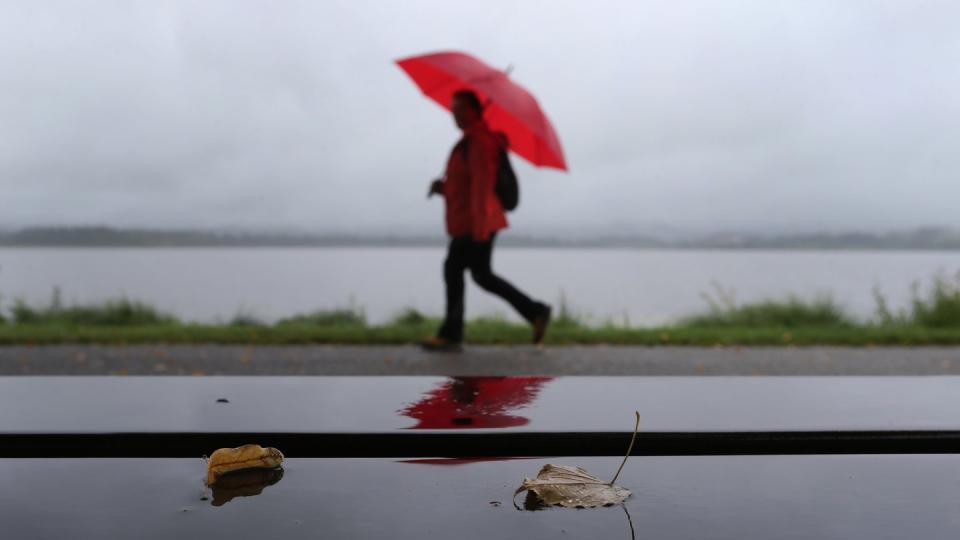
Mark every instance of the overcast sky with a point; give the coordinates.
(692, 116)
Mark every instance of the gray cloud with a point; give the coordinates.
(699, 115)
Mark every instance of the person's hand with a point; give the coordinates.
(436, 188)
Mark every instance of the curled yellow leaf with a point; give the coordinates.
(248, 456)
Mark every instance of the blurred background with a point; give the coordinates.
(226, 161)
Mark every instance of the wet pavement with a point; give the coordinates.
(424, 417)
(729, 497)
(422, 456)
(476, 360)
(340, 405)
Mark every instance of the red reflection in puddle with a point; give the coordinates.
(475, 403)
(459, 461)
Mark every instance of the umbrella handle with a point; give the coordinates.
(431, 191)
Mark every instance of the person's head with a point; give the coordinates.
(466, 108)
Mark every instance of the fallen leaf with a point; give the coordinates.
(572, 487)
(249, 456)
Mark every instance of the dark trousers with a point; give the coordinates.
(465, 253)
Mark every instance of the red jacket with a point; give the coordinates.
(473, 207)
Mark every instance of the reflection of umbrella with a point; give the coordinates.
(475, 403)
(510, 109)
(458, 461)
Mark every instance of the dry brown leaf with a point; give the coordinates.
(572, 487)
(249, 456)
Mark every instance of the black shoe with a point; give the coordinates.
(540, 324)
(439, 344)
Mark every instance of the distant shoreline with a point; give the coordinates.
(504, 245)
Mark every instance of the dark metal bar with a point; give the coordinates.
(486, 444)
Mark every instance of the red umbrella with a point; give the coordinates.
(509, 107)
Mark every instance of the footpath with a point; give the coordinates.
(475, 360)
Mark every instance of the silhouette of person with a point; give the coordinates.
(474, 214)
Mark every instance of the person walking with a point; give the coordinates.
(474, 215)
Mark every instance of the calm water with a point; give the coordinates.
(639, 286)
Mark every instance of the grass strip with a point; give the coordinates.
(501, 334)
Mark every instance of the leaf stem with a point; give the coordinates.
(633, 535)
(633, 439)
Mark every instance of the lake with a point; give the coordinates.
(624, 285)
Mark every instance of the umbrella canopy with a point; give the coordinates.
(509, 108)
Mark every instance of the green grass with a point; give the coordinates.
(120, 312)
(932, 318)
(247, 320)
(790, 313)
(481, 333)
(410, 317)
(941, 308)
(326, 318)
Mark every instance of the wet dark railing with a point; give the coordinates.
(477, 445)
